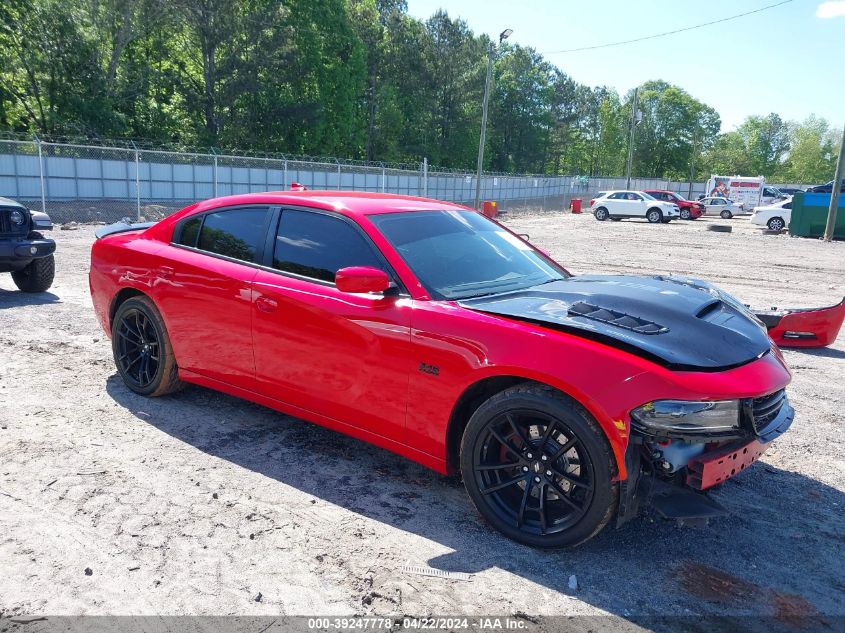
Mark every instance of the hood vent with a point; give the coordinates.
(614, 317)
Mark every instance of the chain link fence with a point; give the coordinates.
(91, 183)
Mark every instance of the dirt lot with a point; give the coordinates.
(201, 504)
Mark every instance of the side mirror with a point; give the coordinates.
(361, 279)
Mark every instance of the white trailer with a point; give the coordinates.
(749, 191)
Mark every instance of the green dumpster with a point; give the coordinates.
(809, 215)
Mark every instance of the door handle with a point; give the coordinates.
(265, 304)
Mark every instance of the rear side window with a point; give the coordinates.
(317, 246)
(235, 233)
(190, 231)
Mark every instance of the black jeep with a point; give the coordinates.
(23, 250)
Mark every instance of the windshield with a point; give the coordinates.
(462, 254)
(678, 196)
(647, 196)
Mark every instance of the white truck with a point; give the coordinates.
(749, 191)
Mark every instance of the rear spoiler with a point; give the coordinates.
(121, 227)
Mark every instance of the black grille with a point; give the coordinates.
(765, 409)
(5, 221)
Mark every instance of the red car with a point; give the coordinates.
(428, 329)
(689, 210)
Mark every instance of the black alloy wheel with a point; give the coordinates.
(535, 470)
(142, 350)
(138, 347)
(539, 474)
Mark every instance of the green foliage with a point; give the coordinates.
(359, 79)
(814, 147)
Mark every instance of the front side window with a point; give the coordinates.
(462, 254)
(236, 233)
(619, 195)
(317, 246)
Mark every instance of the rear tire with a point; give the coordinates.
(601, 214)
(726, 215)
(142, 351)
(538, 467)
(37, 275)
(655, 216)
(776, 224)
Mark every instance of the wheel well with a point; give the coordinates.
(466, 405)
(658, 209)
(475, 395)
(119, 298)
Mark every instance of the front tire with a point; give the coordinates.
(601, 214)
(36, 276)
(142, 350)
(685, 214)
(655, 216)
(538, 467)
(726, 215)
(776, 224)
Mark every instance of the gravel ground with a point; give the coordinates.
(202, 504)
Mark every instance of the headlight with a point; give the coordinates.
(17, 218)
(669, 418)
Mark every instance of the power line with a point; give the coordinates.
(674, 32)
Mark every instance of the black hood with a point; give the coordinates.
(681, 323)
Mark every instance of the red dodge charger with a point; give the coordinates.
(428, 329)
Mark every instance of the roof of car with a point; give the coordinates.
(349, 202)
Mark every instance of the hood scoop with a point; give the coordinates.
(683, 324)
(614, 317)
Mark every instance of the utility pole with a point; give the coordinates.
(834, 191)
(502, 37)
(634, 121)
(692, 163)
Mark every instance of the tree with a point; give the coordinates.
(358, 79)
(671, 120)
(522, 118)
(812, 157)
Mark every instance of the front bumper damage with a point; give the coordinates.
(677, 490)
(803, 327)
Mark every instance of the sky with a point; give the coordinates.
(789, 59)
